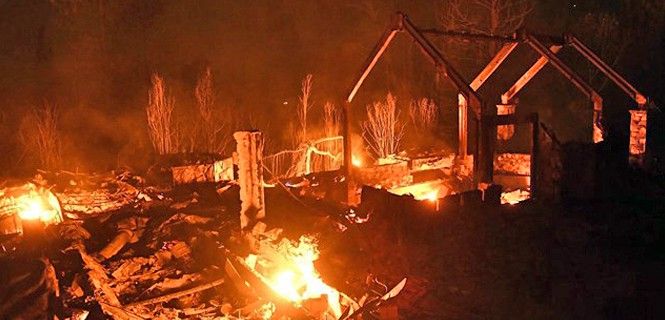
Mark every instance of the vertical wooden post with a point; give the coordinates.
(462, 125)
(535, 156)
(249, 146)
(487, 137)
(476, 152)
(346, 133)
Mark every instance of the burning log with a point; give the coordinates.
(250, 177)
(129, 231)
(283, 272)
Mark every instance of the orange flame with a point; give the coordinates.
(288, 268)
(514, 197)
(431, 196)
(429, 191)
(31, 202)
(356, 162)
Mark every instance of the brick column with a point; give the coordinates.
(638, 137)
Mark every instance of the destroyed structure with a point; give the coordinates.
(241, 237)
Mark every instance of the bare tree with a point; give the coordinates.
(213, 126)
(600, 31)
(304, 106)
(492, 17)
(39, 135)
(383, 130)
(424, 114)
(160, 123)
(331, 119)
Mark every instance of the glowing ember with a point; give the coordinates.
(288, 268)
(388, 160)
(356, 162)
(514, 197)
(31, 202)
(427, 191)
(432, 195)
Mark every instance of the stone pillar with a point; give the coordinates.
(505, 132)
(250, 177)
(597, 131)
(638, 137)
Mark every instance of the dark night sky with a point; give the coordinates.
(94, 60)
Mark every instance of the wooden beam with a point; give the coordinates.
(620, 81)
(535, 156)
(444, 67)
(564, 69)
(507, 97)
(567, 72)
(374, 57)
(490, 68)
(494, 64)
(463, 125)
(469, 35)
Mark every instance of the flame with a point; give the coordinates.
(514, 197)
(288, 269)
(431, 196)
(34, 203)
(356, 162)
(427, 191)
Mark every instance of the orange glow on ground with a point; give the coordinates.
(428, 191)
(514, 197)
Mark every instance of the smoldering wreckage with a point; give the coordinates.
(263, 237)
(113, 246)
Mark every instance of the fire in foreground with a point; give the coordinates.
(288, 269)
(30, 202)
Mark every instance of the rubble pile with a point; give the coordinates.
(513, 163)
(129, 251)
(85, 195)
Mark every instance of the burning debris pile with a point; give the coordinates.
(128, 251)
(288, 269)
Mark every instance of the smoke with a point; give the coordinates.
(94, 59)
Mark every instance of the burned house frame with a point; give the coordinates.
(486, 119)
